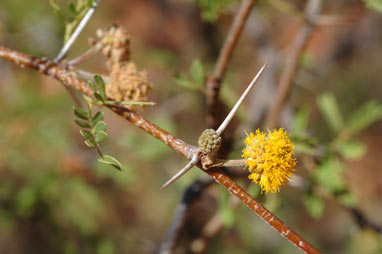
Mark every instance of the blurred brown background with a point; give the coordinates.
(56, 198)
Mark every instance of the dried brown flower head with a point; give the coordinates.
(115, 43)
(127, 83)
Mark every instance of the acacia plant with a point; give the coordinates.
(269, 153)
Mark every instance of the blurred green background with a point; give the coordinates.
(56, 198)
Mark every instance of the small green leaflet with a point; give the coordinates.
(107, 159)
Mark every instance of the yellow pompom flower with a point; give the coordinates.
(270, 159)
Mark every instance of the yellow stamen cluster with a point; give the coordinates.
(270, 159)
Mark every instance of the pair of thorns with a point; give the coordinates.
(210, 140)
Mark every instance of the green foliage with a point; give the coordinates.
(211, 9)
(362, 118)
(314, 205)
(100, 126)
(374, 4)
(94, 130)
(84, 198)
(26, 199)
(98, 88)
(366, 115)
(301, 119)
(107, 159)
(347, 199)
(352, 149)
(329, 174)
(197, 79)
(303, 143)
(105, 247)
(197, 72)
(328, 106)
(36, 187)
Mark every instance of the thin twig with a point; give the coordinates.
(285, 83)
(192, 193)
(86, 55)
(225, 55)
(77, 31)
(211, 229)
(85, 75)
(56, 71)
(364, 222)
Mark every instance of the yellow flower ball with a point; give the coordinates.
(270, 159)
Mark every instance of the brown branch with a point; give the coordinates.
(56, 71)
(261, 211)
(285, 83)
(46, 67)
(86, 55)
(225, 55)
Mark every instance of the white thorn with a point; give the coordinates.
(190, 164)
(231, 114)
(77, 31)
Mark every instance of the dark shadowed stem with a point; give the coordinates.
(191, 194)
(56, 71)
(365, 222)
(285, 83)
(225, 55)
(213, 227)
